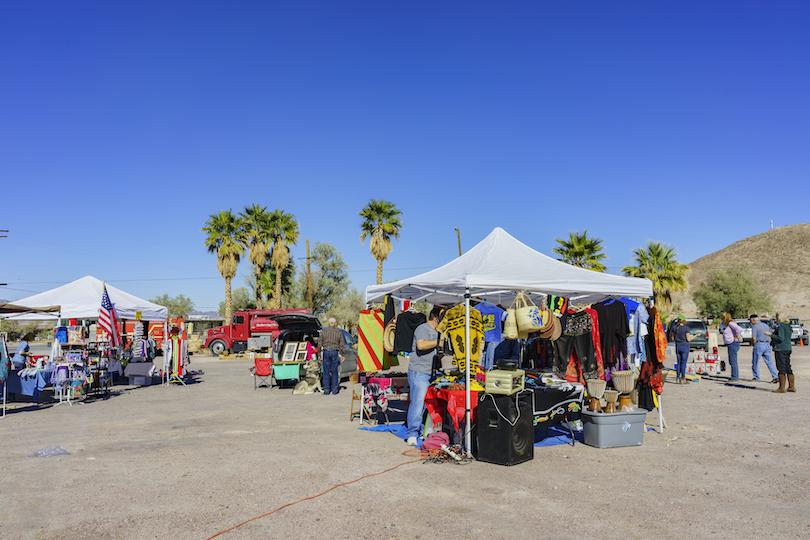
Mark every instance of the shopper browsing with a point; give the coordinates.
(331, 345)
(683, 336)
(732, 340)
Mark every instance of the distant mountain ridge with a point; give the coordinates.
(779, 258)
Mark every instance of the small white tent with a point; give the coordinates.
(500, 266)
(496, 269)
(81, 299)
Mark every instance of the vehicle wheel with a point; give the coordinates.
(217, 347)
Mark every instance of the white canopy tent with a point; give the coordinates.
(81, 299)
(496, 269)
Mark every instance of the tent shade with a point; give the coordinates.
(15, 308)
(499, 267)
(81, 299)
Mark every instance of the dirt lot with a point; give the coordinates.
(189, 462)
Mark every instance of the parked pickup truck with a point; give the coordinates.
(797, 331)
(256, 329)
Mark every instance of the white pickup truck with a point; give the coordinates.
(797, 330)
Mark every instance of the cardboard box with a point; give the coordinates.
(694, 368)
(613, 430)
(699, 356)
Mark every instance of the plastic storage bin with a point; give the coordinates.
(613, 430)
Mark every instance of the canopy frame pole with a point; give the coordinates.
(467, 415)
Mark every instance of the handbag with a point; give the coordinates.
(510, 327)
(531, 318)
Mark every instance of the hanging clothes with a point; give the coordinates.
(613, 330)
(492, 318)
(455, 323)
(650, 379)
(577, 353)
(407, 322)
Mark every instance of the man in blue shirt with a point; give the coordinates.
(420, 369)
(760, 337)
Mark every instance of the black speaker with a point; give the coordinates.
(505, 428)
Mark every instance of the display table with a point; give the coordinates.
(553, 405)
(30, 385)
(138, 369)
(444, 403)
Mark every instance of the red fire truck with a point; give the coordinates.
(255, 329)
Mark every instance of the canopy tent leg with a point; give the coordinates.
(467, 415)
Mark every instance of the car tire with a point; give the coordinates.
(218, 347)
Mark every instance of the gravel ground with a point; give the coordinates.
(189, 462)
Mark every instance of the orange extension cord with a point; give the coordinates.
(410, 453)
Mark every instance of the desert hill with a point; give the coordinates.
(780, 258)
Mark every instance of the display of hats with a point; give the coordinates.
(388, 335)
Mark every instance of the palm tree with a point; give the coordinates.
(381, 221)
(226, 238)
(283, 230)
(579, 250)
(659, 264)
(255, 224)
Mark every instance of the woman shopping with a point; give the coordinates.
(683, 336)
(22, 351)
(732, 341)
(783, 347)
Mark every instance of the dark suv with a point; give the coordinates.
(312, 335)
(698, 328)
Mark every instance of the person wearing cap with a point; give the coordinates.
(760, 337)
(22, 351)
(331, 345)
(683, 336)
(420, 369)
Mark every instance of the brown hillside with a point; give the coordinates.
(780, 258)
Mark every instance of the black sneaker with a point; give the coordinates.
(775, 380)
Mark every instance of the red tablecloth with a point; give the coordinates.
(438, 402)
(385, 382)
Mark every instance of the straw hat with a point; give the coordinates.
(388, 335)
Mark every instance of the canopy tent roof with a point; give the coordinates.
(16, 308)
(500, 266)
(81, 299)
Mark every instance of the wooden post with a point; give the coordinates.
(309, 280)
(458, 233)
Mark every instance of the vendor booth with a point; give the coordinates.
(497, 271)
(82, 356)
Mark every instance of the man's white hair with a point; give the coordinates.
(332, 321)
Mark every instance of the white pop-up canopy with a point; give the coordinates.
(496, 269)
(81, 299)
(499, 267)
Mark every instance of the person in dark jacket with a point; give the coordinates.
(783, 348)
(683, 335)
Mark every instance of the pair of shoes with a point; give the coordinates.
(776, 380)
(411, 441)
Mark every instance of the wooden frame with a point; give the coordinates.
(289, 352)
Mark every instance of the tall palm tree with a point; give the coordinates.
(579, 250)
(381, 221)
(255, 224)
(659, 264)
(283, 230)
(226, 238)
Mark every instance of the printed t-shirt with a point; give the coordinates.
(492, 317)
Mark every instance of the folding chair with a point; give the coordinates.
(262, 372)
(357, 395)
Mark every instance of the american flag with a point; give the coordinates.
(106, 318)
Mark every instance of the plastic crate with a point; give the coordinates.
(613, 430)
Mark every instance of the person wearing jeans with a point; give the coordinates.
(760, 335)
(331, 346)
(683, 336)
(420, 368)
(731, 339)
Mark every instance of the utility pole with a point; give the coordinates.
(309, 280)
(458, 233)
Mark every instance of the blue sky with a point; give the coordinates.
(124, 125)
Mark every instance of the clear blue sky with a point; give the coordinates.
(124, 125)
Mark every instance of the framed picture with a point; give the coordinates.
(289, 352)
(302, 345)
(301, 356)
